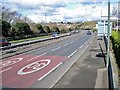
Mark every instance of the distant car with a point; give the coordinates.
(69, 33)
(4, 42)
(54, 35)
(88, 33)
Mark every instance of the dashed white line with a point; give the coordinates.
(5, 70)
(72, 54)
(66, 44)
(71, 41)
(50, 71)
(81, 46)
(56, 49)
(36, 57)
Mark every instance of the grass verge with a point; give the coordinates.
(29, 39)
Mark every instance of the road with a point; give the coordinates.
(38, 68)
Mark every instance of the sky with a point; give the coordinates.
(60, 10)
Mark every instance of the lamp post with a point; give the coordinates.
(108, 35)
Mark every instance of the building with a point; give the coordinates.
(102, 25)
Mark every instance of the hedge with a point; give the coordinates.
(116, 45)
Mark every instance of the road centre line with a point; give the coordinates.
(72, 54)
(66, 44)
(56, 49)
(71, 41)
(50, 71)
(5, 70)
(47, 52)
(44, 50)
(36, 57)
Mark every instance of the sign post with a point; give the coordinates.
(108, 35)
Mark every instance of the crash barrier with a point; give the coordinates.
(110, 70)
(30, 42)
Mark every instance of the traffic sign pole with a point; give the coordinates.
(108, 35)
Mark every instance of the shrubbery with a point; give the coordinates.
(116, 45)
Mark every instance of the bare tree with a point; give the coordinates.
(116, 10)
(10, 16)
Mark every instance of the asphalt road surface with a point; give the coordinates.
(38, 68)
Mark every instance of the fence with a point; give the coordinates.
(110, 72)
(31, 42)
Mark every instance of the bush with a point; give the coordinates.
(40, 28)
(55, 29)
(47, 29)
(95, 30)
(21, 28)
(116, 45)
(5, 28)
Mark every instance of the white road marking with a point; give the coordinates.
(72, 54)
(36, 57)
(81, 46)
(71, 41)
(5, 70)
(86, 42)
(10, 62)
(56, 49)
(66, 44)
(49, 71)
(33, 67)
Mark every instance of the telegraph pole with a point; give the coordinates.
(108, 35)
(45, 18)
(117, 15)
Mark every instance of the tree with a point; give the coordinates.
(5, 28)
(116, 10)
(47, 29)
(21, 28)
(55, 29)
(10, 16)
(63, 31)
(70, 29)
(40, 28)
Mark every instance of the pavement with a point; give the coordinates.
(70, 63)
(89, 70)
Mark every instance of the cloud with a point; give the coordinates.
(59, 10)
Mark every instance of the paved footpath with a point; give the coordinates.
(88, 71)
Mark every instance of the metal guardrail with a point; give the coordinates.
(30, 42)
(110, 72)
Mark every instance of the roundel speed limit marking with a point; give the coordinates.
(33, 67)
(10, 62)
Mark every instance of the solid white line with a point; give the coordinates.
(5, 69)
(72, 54)
(50, 71)
(36, 57)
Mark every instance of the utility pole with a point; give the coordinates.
(45, 18)
(108, 35)
(101, 13)
(117, 15)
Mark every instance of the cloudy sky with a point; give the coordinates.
(60, 10)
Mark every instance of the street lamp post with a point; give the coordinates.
(108, 34)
